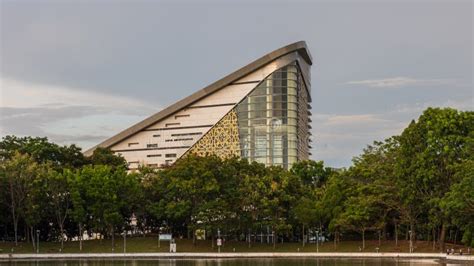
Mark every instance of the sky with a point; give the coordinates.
(82, 71)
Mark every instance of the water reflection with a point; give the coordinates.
(231, 262)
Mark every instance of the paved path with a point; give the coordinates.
(234, 255)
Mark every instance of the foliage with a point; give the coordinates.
(458, 203)
(42, 151)
(420, 182)
(103, 156)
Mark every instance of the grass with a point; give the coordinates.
(150, 244)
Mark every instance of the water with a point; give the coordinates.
(233, 262)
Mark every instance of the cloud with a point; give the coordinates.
(82, 125)
(65, 115)
(337, 138)
(345, 120)
(465, 104)
(399, 82)
(17, 93)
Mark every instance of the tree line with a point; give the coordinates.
(417, 185)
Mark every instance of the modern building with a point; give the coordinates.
(260, 112)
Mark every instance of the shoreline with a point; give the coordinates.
(233, 255)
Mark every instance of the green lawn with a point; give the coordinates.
(150, 244)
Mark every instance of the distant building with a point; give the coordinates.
(260, 112)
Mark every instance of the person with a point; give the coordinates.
(460, 251)
(447, 251)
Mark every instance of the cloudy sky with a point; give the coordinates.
(81, 71)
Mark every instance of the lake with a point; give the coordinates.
(233, 262)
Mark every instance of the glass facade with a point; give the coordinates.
(272, 119)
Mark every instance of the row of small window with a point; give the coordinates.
(267, 114)
(275, 122)
(176, 123)
(173, 124)
(281, 87)
(275, 161)
(153, 165)
(168, 155)
(284, 74)
(266, 150)
(253, 101)
(131, 144)
(262, 147)
(282, 106)
(186, 134)
(155, 145)
(284, 158)
(274, 98)
(253, 140)
(182, 139)
(180, 134)
(246, 135)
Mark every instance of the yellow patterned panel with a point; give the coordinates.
(221, 140)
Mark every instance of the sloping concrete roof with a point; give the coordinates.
(299, 47)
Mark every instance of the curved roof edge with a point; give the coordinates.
(299, 47)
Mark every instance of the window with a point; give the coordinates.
(152, 165)
(153, 155)
(179, 116)
(186, 134)
(156, 135)
(172, 124)
(132, 144)
(170, 155)
(152, 145)
(183, 139)
(261, 146)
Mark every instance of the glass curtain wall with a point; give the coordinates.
(268, 119)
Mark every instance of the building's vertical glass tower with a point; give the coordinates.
(272, 119)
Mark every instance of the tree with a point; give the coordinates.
(311, 172)
(35, 206)
(249, 208)
(375, 169)
(429, 148)
(334, 194)
(363, 211)
(110, 195)
(77, 189)
(5, 218)
(191, 183)
(458, 203)
(42, 151)
(57, 189)
(278, 195)
(308, 210)
(104, 156)
(20, 172)
(306, 213)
